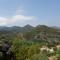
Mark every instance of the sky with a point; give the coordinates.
(33, 12)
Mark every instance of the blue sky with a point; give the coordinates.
(33, 12)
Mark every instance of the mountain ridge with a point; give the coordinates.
(28, 32)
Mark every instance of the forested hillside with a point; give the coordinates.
(28, 41)
(38, 33)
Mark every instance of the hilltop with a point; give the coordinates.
(28, 32)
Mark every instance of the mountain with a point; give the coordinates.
(16, 28)
(28, 32)
(55, 27)
(27, 28)
(44, 33)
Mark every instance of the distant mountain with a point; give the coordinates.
(55, 27)
(44, 33)
(3, 28)
(27, 28)
(40, 32)
(17, 28)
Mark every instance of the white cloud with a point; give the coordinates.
(3, 21)
(20, 17)
(15, 19)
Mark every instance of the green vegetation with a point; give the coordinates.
(27, 42)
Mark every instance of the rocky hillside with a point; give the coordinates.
(38, 33)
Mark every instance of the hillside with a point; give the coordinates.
(40, 32)
(30, 42)
(44, 33)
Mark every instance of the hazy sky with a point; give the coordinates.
(33, 12)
